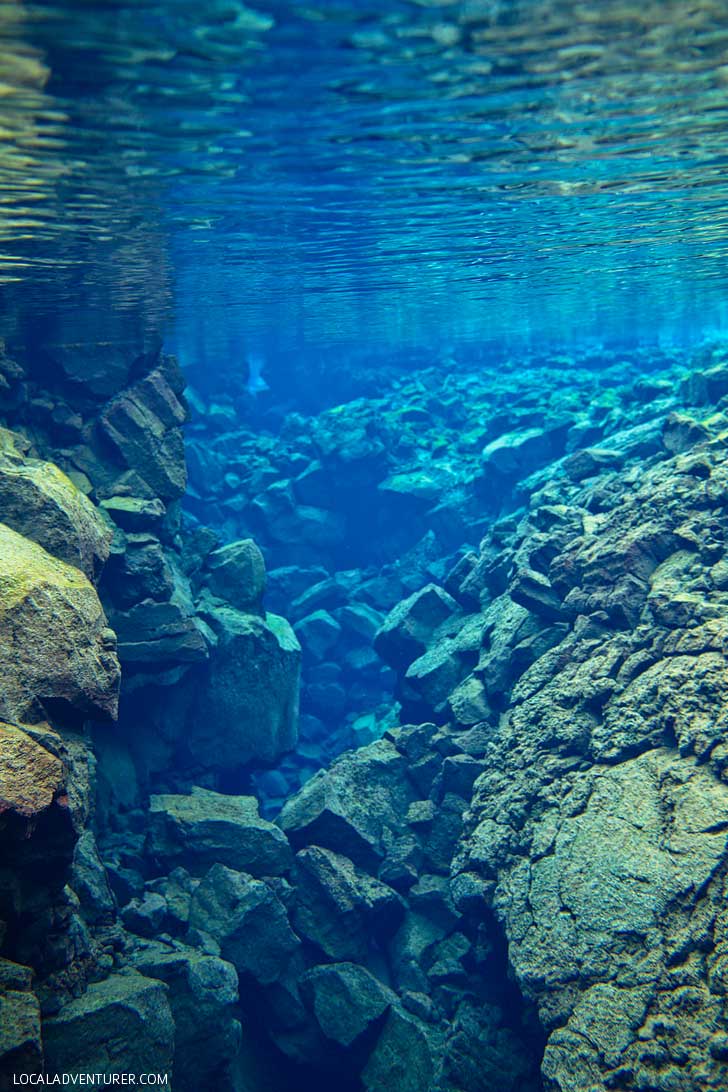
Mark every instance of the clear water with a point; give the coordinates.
(312, 177)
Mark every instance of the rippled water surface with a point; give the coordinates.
(327, 173)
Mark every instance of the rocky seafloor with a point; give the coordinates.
(439, 801)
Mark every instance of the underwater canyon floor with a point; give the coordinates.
(377, 745)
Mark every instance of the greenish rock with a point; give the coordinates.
(21, 1049)
(134, 513)
(145, 915)
(142, 424)
(318, 633)
(203, 992)
(346, 1000)
(469, 702)
(206, 828)
(123, 1023)
(153, 633)
(350, 807)
(432, 677)
(89, 881)
(247, 706)
(31, 776)
(516, 454)
(428, 483)
(339, 907)
(402, 1058)
(408, 629)
(40, 502)
(237, 574)
(247, 920)
(54, 637)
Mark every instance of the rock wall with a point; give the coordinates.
(101, 524)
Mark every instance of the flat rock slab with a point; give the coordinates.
(207, 828)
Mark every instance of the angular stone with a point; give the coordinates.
(247, 919)
(338, 907)
(134, 513)
(89, 881)
(237, 574)
(346, 1000)
(145, 915)
(533, 591)
(318, 633)
(54, 638)
(203, 992)
(38, 501)
(205, 828)
(247, 706)
(124, 1020)
(21, 1050)
(30, 776)
(408, 629)
(151, 633)
(403, 1057)
(142, 423)
(349, 807)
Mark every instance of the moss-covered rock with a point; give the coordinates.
(58, 651)
(38, 501)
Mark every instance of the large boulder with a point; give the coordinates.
(207, 828)
(30, 775)
(409, 627)
(121, 1024)
(142, 424)
(236, 572)
(20, 1035)
(246, 707)
(203, 992)
(54, 638)
(38, 501)
(247, 920)
(339, 908)
(345, 999)
(351, 807)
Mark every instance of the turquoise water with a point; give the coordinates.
(310, 177)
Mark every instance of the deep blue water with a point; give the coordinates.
(300, 180)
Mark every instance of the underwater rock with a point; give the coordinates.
(248, 705)
(54, 634)
(203, 992)
(30, 775)
(534, 592)
(142, 423)
(340, 908)
(38, 501)
(207, 828)
(150, 633)
(125, 1016)
(89, 881)
(248, 921)
(21, 1049)
(407, 630)
(145, 915)
(404, 1056)
(237, 574)
(318, 633)
(349, 807)
(345, 999)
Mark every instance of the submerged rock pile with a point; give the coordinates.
(519, 886)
